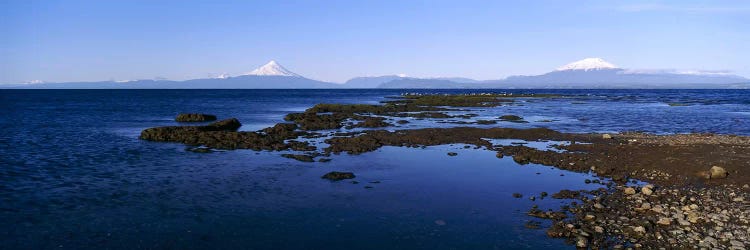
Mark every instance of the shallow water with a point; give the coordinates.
(73, 173)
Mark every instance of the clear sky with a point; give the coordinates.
(334, 40)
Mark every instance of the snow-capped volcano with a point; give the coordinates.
(588, 64)
(272, 68)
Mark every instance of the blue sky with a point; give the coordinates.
(333, 40)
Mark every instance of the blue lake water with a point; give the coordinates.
(74, 175)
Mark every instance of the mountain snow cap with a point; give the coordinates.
(588, 64)
(272, 68)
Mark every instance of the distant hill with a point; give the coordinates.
(369, 81)
(395, 81)
(408, 83)
(586, 73)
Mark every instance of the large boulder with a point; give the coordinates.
(195, 118)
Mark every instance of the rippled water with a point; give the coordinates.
(73, 173)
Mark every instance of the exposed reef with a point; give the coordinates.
(620, 158)
(466, 100)
(224, 135)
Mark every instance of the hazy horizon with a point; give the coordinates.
(63, 41)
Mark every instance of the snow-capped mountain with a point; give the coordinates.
(269, 76)
(588, 64)
(598, 73)
(272, 68)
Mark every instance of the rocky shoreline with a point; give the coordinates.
(682, 217)
(688, 203)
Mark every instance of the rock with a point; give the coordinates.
(511, 118)
(639, 229)
(646, 206)
(532, 198)
(620, 178)
(535, 212)
(606, 136)
(223, 135)
(452, 153)
(589, 217)
(582, 242)
(683, 222)
(709, 241)
(598, 229)
(646, 190)
(195, 118)
(302, 158)
(598, 206)
(718, 172)
(629, 190)
(337, 176)
(371, 122)
(657, 209)
(736, 243)
(566, 194)
(664, 221)
(231, 124)
(693, 217)
(517, 195)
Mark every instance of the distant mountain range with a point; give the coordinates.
(586, 73)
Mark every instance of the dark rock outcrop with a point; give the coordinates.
(512, 118)
(223, 135)
(302, 158)
(195, 118)
(337, 176)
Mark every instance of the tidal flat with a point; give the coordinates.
(650, 197)
(374, 169)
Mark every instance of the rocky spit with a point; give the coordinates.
(698, 196)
